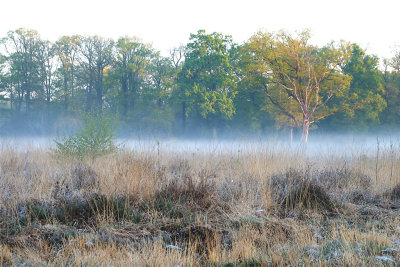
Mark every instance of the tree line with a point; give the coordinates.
(273, 82)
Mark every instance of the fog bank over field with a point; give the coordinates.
(318, 145)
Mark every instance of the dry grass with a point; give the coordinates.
(260, 207)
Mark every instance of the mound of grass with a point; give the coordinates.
(342, 178)
(78, 210)
(394, 193)
(84, 177)
(177, 198)
(360, 197)
(391, 198)
(308, 195)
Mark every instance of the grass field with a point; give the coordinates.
(262, 206)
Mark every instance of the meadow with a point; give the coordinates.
(256, 205)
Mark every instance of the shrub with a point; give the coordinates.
(94, 138)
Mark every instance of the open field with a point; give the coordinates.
(261, 205)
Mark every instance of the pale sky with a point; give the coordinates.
(166, 24)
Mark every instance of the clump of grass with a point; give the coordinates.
(309, 195)
(342, 177)
(84, 177)
(390, 198)
(5, 256)
(299, 190)
(394, 193)
(85, 211)
(193, 196)
(360, 197)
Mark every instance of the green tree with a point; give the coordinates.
(365, 99)
(177, 56)
(250, 100)
(157, 96)
(131, 70)
(67, 49)
(299, 79)
(22, 47)
(47, 65)
(97, 55)
(391, 77)
(207, 77)
(366, 89)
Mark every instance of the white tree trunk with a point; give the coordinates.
(306, 126)
(214, 133)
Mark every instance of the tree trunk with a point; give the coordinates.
(65, 93)
(99, 100)
(28, 101)
(124, 88)
(183, 118)
(124, 100)
(306, 126)
(132, 92)
(99, 90)
(72, 81)
(89, 100)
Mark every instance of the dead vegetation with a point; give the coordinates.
(254, 209)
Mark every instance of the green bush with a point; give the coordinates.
(95, 138)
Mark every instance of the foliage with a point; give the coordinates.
(391, 80)
(299, 79)
(207, 75)
(95, 138)
(272, 81)
(252, 116)
(364, 101)
(131, 68)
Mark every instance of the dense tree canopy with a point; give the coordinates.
(274, 82)
(364, 101)
(207, 78)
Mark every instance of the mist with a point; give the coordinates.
(339, 145)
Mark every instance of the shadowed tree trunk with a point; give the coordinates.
(183, 118)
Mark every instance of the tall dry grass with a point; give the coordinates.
(258, 206)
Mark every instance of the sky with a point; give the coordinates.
(166, 24)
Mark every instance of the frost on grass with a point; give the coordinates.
(181, 209)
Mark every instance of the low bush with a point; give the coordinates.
(95, 138)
